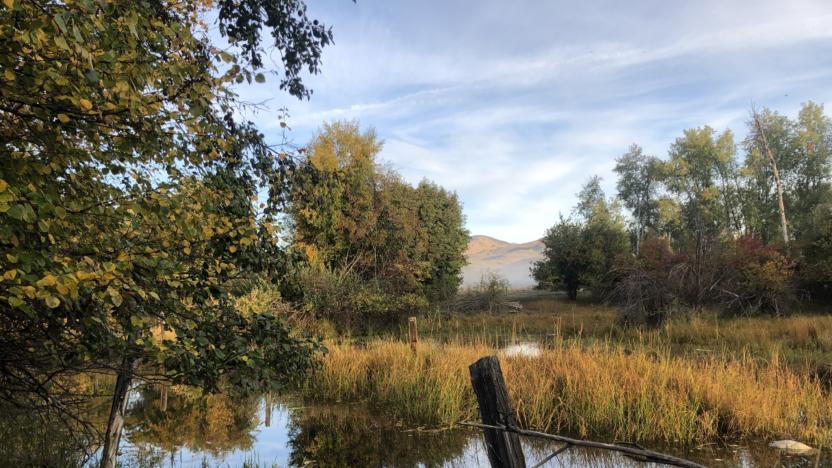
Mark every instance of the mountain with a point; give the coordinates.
(511, 261)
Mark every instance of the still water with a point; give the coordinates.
(223, 431)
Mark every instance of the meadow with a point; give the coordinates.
(700, 378)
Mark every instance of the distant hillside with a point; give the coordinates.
(512, 261)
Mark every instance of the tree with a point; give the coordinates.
(761, 134)
(702, 174)
(361, 222)
(816, 262)
(441, 241)
(125, 198)
(585, 252)
(563, 264)
(637, 187)
(802, 152)
(589, 197)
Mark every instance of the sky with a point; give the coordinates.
(515, 104)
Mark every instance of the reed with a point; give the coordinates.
(639, 392)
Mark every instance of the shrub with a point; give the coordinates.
(491, 295)
(758, 278)
(816, 262)
(739, 276)
(342, 297)
(646, 290)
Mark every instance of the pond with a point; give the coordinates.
(221, 431)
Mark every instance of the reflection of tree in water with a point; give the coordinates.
(348, 436)
(216, 424)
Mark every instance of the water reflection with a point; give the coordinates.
(225, 431)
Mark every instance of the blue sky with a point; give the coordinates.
(515, 104)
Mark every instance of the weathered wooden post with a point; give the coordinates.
(414, 336)
(503, 447)
(269, 409)
(163, 404)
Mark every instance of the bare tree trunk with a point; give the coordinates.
(115, 423)
(784, 226)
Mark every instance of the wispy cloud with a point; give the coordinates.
(514, 105)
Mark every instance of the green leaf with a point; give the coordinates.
(259, 78)
(61, 42)
(16, 212)
(115, 297)
(61, 23)
(92, 77)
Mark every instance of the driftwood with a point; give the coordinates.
(634, 452)
(502, 440)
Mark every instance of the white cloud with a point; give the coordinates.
(515, 105)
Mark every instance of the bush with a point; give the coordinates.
(646, 290)
(816, 262)
(739, 276)
(342, 297)
(491, 295)
(758, 278)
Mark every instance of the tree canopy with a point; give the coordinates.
(126, 188)
(351, 214)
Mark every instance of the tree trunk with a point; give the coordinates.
(115, 423)
(783, 225)
(572, 292)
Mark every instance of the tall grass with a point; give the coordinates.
(596, 389)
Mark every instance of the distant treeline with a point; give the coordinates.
(705, 225)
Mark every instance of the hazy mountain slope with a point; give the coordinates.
(511, 261)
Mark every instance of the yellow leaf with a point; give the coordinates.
(85, 104)
(83, 275)
(232, 249)
(52, 301)
(3, 185)
(9, 4)
(9, 75)
(63, 118)
(187, 250)
(10, 275)
(48, 280)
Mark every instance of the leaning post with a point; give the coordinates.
(414, 336)
(163, 405)
(503, 447)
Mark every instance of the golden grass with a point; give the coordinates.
(803, 341)
(596, 389)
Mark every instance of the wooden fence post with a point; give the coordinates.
(414, 336)
(164, 396)
(503, 447)
(269, 409)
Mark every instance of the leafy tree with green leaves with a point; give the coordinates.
(637, 185)
(126, 187)
(590, 196)
(802, 150)
(583, 252)
(563, 264)
(701, 173)
(357, 221)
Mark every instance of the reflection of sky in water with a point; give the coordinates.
(273, 447)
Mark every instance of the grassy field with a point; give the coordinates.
(699, 379)
(803, 340)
